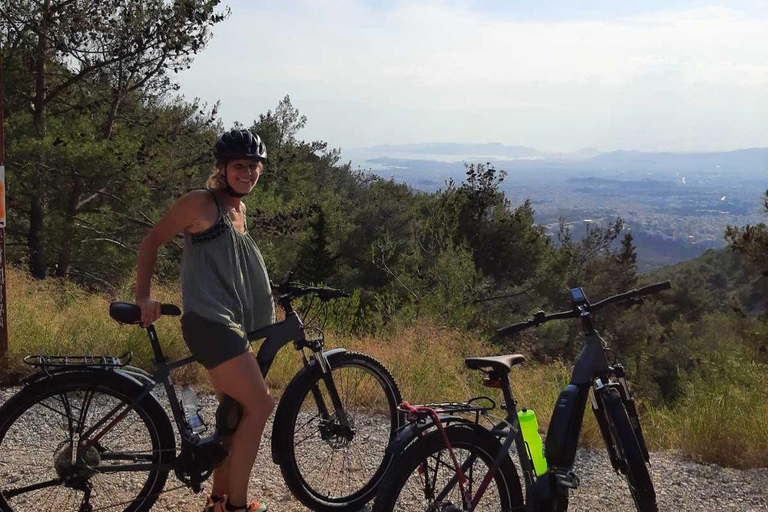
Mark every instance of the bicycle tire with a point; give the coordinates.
(410, 485)
(629, 452)
(309, 451)
(38, 423)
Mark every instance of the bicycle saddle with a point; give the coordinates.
(127, 313)
(501, 364)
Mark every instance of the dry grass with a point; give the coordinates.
(724, 420)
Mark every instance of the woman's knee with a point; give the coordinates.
(261, 405)
(241, 379)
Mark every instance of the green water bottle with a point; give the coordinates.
(530, 428)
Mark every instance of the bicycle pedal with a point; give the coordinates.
(569, 480)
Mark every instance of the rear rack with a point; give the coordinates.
(475, 405)
(45, 362)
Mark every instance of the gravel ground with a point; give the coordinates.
(681, 485)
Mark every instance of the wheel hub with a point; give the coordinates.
(74, 473)
(336, 434)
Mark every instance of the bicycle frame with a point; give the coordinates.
(275, 336)
(590, 372)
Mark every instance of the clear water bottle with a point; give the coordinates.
(191, 408)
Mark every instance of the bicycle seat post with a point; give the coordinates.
(509, 402)
(156, 348)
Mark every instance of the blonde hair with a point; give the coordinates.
(216, 180)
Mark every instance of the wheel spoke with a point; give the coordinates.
(333, 465)
(53, 467)
(426, 479)
(10, 493)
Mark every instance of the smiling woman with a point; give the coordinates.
(226, 293)
(243, 155)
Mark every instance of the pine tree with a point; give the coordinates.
(626, 259)
(316, 263)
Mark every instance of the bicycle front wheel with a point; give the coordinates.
(423, 477)
(332, 463)
(629, 452)
(46, 466)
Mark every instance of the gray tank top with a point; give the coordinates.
(223, 277)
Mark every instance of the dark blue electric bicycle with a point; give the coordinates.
(87, 433)
(447, 460)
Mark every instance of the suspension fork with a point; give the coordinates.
(629, 404)
(330, 385)
(598, 409)
(315, 390)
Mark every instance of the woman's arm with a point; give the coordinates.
(184, 214)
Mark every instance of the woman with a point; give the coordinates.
(226, 293)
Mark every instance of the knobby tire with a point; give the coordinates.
(38, 424)
(323, 470)
(425, 468)
(630, 452)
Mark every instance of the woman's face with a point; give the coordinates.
(242, 175)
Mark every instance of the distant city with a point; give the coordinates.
(676, 205)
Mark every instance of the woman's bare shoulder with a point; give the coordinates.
(195, 200)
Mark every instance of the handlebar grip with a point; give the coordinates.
(514, 328)
(654, 288)
(170, 310)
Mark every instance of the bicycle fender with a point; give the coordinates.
(96, 373)
(281, 412)
(412, 431)
(330, 354)
(50, 373)
(150, 402)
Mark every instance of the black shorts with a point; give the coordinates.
(212, 343)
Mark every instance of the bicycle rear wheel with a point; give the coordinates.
(629, 452)
(422, 478)
(42, 467)
(327, 467)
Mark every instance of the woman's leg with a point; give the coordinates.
(221, 473)
(241, 379)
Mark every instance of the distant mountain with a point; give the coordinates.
(750, 160)
(461, 150)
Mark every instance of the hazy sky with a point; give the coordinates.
(556, 75)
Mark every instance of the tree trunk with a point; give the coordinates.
(34, 242)
(68, 229)
(37, 199)
(112, 114)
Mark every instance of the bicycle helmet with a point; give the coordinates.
(237, 144)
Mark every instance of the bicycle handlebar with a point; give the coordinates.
(540, 317)
(631, 294)
(323, 293)
(292, 290)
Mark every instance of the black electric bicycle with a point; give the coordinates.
(446, 460)
(86, 433)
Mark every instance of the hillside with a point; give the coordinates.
(676, 204)
(723, 281)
